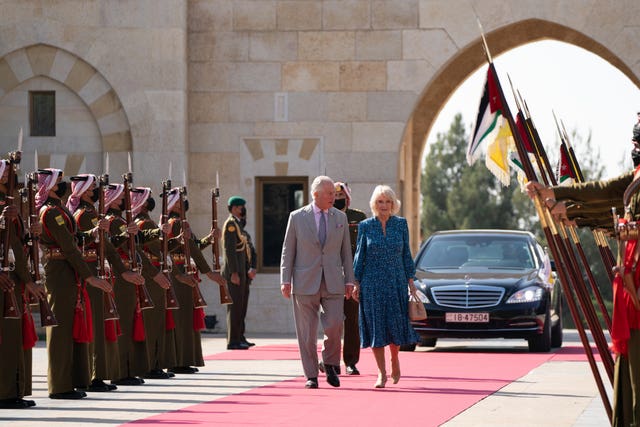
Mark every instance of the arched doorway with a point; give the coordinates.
(456, 70)
(89, 117)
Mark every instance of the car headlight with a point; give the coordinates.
(530, 294)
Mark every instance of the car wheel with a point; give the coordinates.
(428, 342)
(408, 347)
(556, 333)
(542, 343)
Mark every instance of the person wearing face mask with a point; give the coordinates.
(189, 319)
(104, 347)
(16, 335)
(351, 339)
(66, 278)
(133, 355)
(237, 262)
(159, 322)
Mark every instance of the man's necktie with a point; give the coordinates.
(322, 229)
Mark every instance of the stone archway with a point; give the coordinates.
(23, 65)
(458, 68)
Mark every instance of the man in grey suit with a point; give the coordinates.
(316, 271)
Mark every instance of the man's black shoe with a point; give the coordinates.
(68, 395)
(15, 403)
(311, 383)
(183, 370)
(29, 403)
(100, 386)
(237, 346)
(128, 381)
(249, 344)
(332, 375)
(157, 374)
(321, 368)
(352, 370)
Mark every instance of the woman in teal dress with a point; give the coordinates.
(384, 269)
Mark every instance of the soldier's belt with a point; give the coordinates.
(90, 255)
(153, 258)
(177, 258)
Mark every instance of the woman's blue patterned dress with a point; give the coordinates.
(383, 265)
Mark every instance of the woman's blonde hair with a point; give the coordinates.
(386, 191)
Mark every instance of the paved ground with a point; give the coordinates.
(555, 394)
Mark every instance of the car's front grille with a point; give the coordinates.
(467, 296)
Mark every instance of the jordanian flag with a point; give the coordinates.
(492, 130)
(565, 174)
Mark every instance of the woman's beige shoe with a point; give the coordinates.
(382, 380)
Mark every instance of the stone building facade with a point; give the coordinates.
(265, 94)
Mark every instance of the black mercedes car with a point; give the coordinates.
(488, 284)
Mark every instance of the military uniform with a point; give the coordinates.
(160, 339)
(589, 201)
(133, 355)
(188, 344)
(15, 375)
(351, 345)
(236, 259)
(65, 274)
(105, 363)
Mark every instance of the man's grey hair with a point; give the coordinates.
(318, 182)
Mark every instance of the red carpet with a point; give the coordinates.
(263, 352)
(435, 387)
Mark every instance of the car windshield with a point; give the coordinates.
(490, 251)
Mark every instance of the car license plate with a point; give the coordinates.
(467, 317)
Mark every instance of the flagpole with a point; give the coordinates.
(566, 251)
(560, 253)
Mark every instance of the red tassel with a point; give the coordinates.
(138, 325)
(82, 322)
(110, 333)
(29, 336)
(169, 322)
(198, 319)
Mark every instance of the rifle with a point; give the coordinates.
(225, 296)
(110, 310)
(144, 298)
(47, 318)
(198, 299)
(10, 309)
(171, 298)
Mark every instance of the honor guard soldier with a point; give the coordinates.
(134, 359)
(187, 318)
(104, 359)
(66, 278)
(160, 338)
(594, 197)
(15, 342)
(236, 270)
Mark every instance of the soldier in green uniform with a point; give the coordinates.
(160, 340)
(103, 349)
(66, 276)
(15, 375)
(134, 358)
(188, 344)
(351, 346)
(236, 269)
(592, 198)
